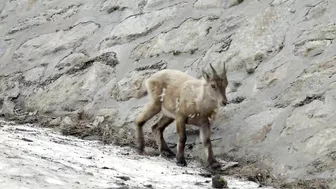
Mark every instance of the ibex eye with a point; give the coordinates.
(213, 86)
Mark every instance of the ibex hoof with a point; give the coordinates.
(215, 165)
(181, 162)
(140, 150)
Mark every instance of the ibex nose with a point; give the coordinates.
(224, 103)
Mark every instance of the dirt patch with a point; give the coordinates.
(22, 118)
(307, 184)
(256, 172)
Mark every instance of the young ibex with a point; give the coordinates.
(186, 100)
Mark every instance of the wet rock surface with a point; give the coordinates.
(75, 65)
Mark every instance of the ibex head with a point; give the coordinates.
(216, 85)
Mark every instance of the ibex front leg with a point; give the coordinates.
(205, 135)
(182, 138)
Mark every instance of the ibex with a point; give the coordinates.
(186, 100)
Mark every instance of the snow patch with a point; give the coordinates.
(53, 161)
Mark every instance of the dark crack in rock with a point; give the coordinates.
(182, 39)
(231, 3)
(47, 16)
(42, 50)
(316, 11)
(313, 42)
(139, 25)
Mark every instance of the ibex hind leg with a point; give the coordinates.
(150, 110)
(158, 129)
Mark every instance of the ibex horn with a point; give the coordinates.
(205, 73)
(213, 70)
(224, 69)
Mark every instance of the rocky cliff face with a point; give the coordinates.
(76, 64)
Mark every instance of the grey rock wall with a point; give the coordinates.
(77, 63)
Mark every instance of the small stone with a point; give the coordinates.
(89, 173)
(105, 167)
(67, 121)
(15, 92)
(206, 4)
(148, 186)
(125, 178)
(121, 132)
(27, 140)
(219, 182)
(206, 175)
(7, 108)
(198, 183)
(55, 122)
(120, 183)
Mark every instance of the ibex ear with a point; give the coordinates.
(205, 75)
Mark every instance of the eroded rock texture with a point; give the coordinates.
(77, 64)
